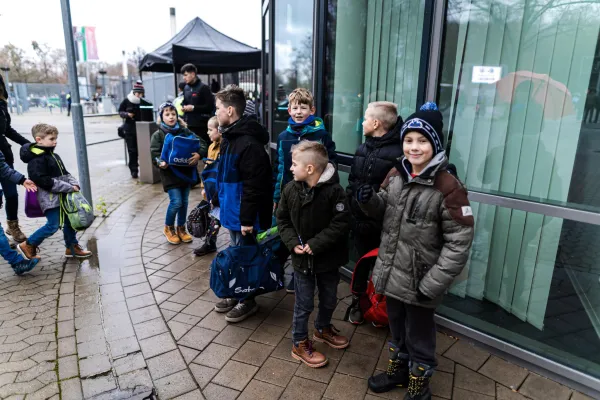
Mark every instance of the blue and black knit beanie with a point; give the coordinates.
(163, 106)
(429, 122)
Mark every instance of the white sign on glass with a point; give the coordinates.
(486, 74)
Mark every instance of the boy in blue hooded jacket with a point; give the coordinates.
(302, 125)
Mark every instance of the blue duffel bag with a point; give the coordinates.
(239, 271)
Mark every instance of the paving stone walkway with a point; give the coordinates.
(139, 316)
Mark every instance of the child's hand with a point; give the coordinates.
(364, 193)
(194, 159)
(299, 249)
(76, 188)
(163, 165)
(307, 249)
(29, 185)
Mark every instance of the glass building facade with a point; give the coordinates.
(518, 83)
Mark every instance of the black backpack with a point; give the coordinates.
(198, 221)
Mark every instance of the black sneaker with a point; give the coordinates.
(225, 305)
(205, 249)
(290, 287)
(134, 175)
(25, 266)
(242, 311)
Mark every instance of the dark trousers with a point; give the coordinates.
(365, 243)
(132, 151)
(12, 198)
(201, 131)
(304, 286)
(413, 331)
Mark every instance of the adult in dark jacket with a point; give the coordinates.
(215, 86)
(372, 162)
(9, 188)
(129, 110)
(243, 181)
(198, 102)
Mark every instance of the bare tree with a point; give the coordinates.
(43, 52)
(21, 68)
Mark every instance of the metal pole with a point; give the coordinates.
(78, 126)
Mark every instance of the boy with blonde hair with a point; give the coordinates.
(302, 125)
(314, 221)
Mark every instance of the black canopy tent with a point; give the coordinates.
(208, 49)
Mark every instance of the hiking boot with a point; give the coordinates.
(183, 235)
(14, 231)
(25, 266)
(77, 252)
(28, 251)
(330, 336)
(242, 311)
(225, 305)
(290, 287)
(396, 374)
(171, 235)
(205, 249)
(304, 352)
(418, 384)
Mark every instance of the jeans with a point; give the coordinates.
(12, 198)
(327, 283)
(178, 206)
(132, 151)
(10, 255)
(413, 331)
(52, 225)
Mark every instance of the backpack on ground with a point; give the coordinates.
(367, 304)
(199, 220)
(77, 209)
(250, 268)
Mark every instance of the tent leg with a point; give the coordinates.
(175, 80)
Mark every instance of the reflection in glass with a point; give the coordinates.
(372, 53)
(513, 81)
(293, 55)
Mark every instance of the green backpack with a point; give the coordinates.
(77, 209)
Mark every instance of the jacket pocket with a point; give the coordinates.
(419, 269)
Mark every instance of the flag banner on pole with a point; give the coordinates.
(85, 37)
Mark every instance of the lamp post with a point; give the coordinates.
(102, 73)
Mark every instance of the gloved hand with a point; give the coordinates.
(422, 296)
(364, 193)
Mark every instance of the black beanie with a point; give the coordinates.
(429, 122)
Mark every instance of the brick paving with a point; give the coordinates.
(139, 316)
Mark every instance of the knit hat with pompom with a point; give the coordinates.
(429, 122)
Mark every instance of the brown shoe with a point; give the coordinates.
(183, 235)
(78, 252)
(14, 230)
(304, 352)
(330, 335)
(28, 251)
(171, 235)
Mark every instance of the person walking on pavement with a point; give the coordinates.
(129, 110)
(10, 188)
(69, 104)
(198, 102)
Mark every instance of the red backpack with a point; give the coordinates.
(371, 307)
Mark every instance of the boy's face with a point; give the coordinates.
(369, 124)
(189, 77)
(299, 112)
(213, 133)
(417, 150)
(300, 168)
(223, 113)
(48, 141)
(169, 116)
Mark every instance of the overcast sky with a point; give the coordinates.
(125, 24)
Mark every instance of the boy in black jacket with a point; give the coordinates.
(372, 162)
(47, 171)
(313, 220)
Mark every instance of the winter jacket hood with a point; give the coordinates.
(319, 217)
(427, 232)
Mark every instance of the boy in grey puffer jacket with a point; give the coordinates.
(425, 244)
